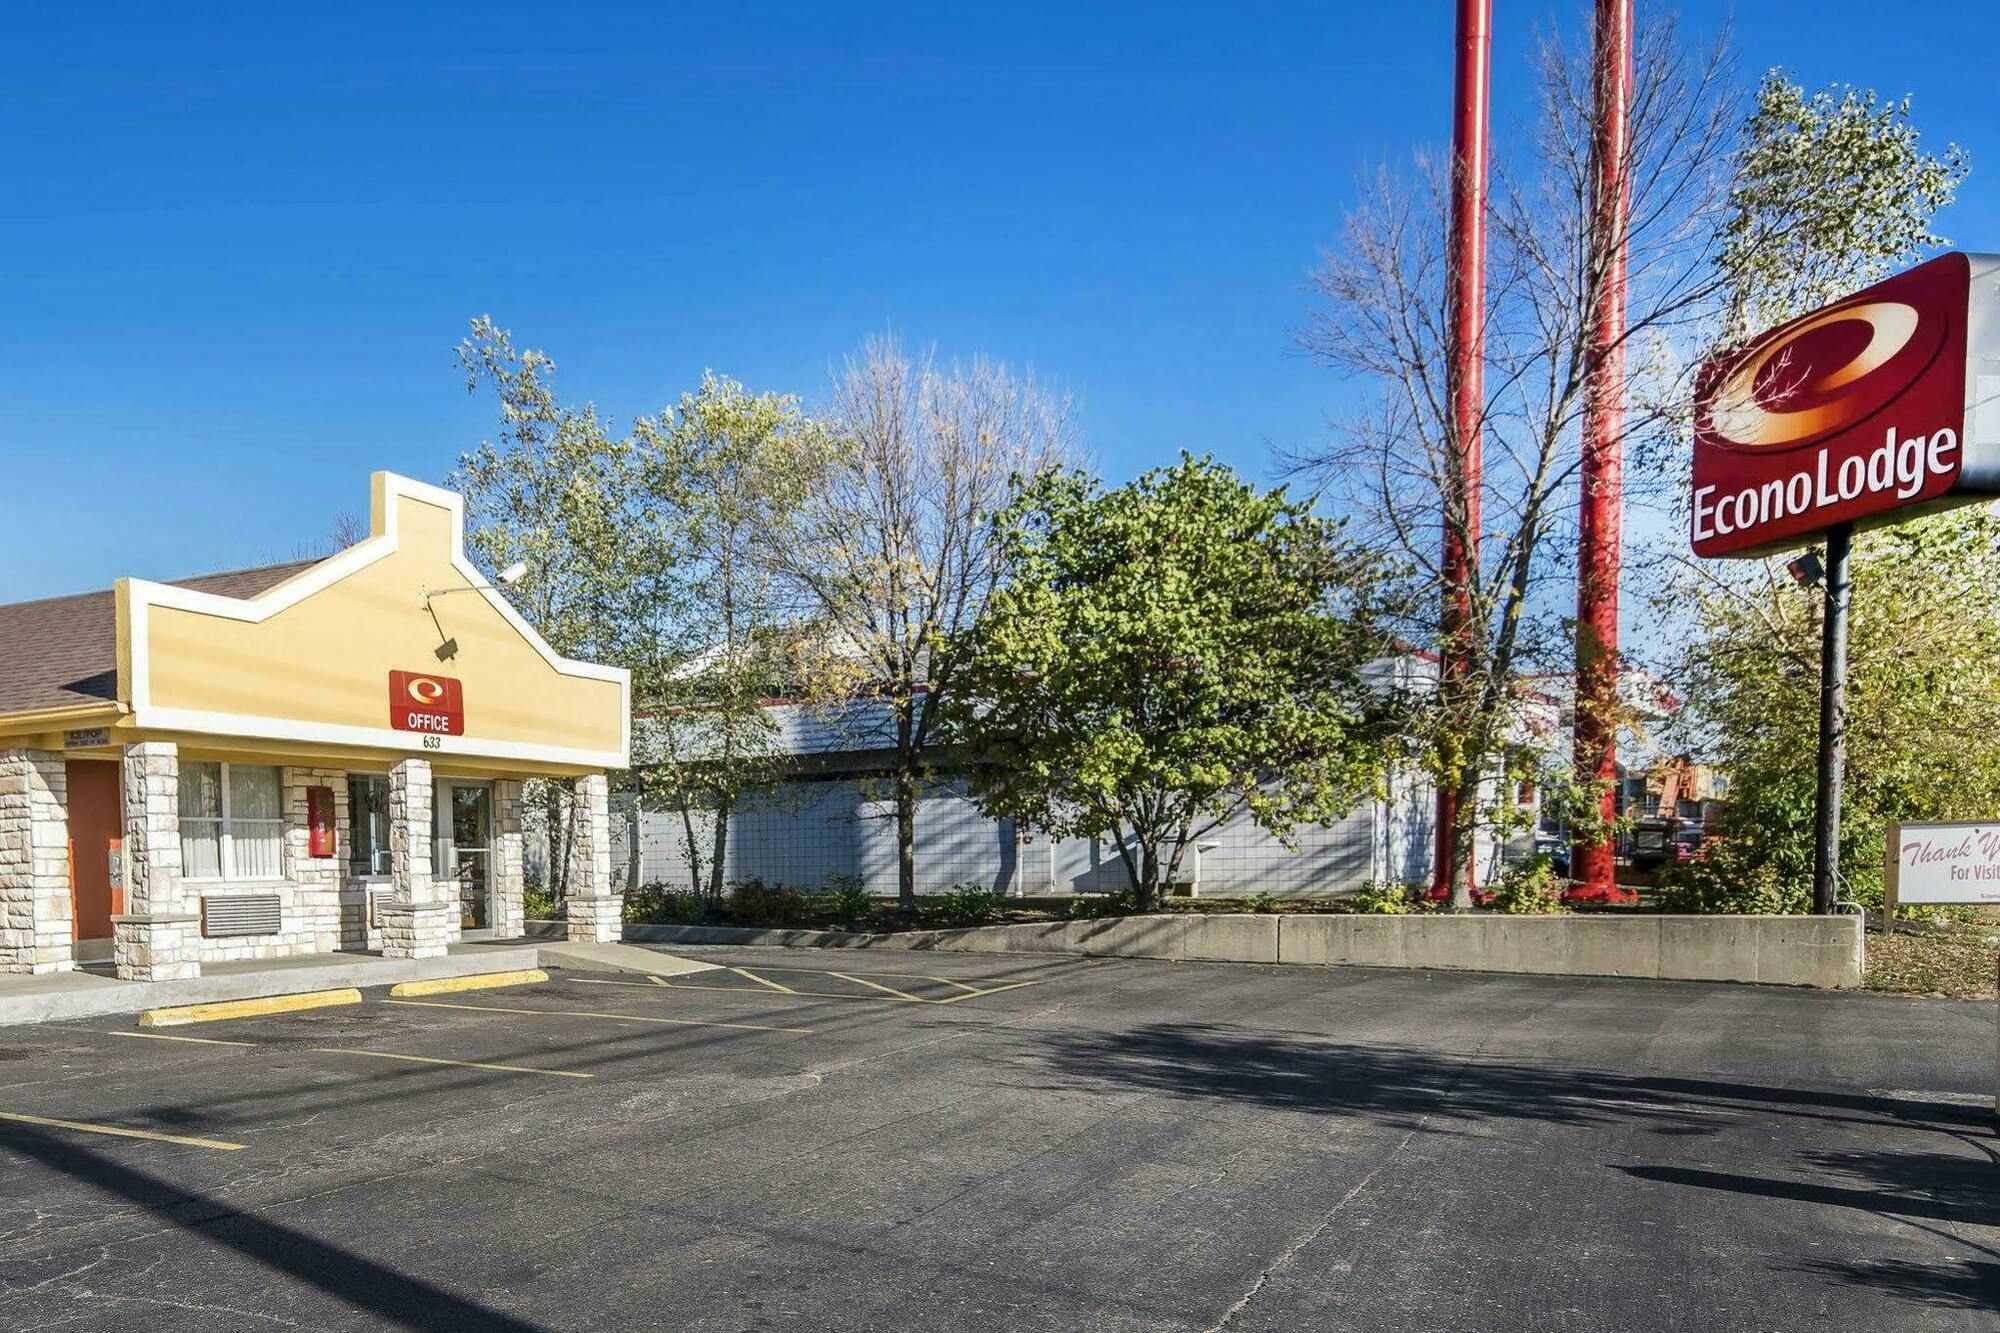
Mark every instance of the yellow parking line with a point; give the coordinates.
(120, 1131)
(761, 981)
(876, 985)
(990, 990)
(435, 1060)
(960, 984)
(168, 1036)
(589, 1013)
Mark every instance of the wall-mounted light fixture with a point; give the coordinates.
(447, 646)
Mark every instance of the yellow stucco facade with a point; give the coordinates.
(307, 669)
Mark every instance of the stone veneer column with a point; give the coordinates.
(596, 913)
(415, 919)
(157, 937)
(313, 923)
(509, 868)
(35, 925)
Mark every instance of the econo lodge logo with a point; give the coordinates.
(421, 701)
(1846, 413)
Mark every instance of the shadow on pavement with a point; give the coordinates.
(396, 1298)
(1399, 1085)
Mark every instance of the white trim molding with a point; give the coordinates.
(388, 488)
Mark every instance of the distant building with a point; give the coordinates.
(833, 815)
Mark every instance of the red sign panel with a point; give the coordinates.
(420, 701)
(1854, 413)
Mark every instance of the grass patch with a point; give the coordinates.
(1954, 962)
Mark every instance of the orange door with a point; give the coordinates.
(95, 833)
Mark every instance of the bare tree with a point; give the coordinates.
(1396, 467)
(895, 551)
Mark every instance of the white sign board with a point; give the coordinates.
(1943, 863)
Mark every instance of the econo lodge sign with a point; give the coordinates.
(420, 701)
(1877, 407)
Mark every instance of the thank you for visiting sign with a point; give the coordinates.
(1942, 863)
(424, 702)
(1871, 410)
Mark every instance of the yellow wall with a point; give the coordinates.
(319, 669)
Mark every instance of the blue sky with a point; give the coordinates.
(240, 247)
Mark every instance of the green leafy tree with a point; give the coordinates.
(553, 491)
(1165, 655)
(1923, 712)
(716, 475)
(1833, 190)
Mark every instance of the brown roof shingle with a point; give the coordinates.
(63, 651)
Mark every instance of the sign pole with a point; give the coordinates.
(1832, 718)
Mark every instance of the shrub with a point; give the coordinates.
(1382, 899)
(540, 904)
(970, 904)
(656, 904)
(845, 899)
(755, 903)
(1722, 877)
(1093, 906)
(1528, 888)
(1260, 901)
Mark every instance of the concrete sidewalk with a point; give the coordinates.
(86, 994)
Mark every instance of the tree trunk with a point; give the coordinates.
(906, 801)
(555, 810)
(718, 850)
(635, 829)
(906, 836)
(1463, 842)
(692, 846)
(1147, 898)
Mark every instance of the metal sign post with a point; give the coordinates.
(1832, 718)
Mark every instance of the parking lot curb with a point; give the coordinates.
(482, 981)
(252, 1008)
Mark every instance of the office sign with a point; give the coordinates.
(424, 702)
(1872, 410)
(1942, 863)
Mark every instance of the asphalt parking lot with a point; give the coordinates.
(824, 1140)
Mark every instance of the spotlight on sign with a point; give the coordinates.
(1806, 570)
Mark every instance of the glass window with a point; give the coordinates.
(368, 824)
(201, 821)
(232, 821)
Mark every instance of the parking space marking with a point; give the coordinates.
(437, 1060)
(739, 990)
(168, 1036)
(889, 994)
(761, 981)
(120, 1131)
(622, 1018)
(876, 985)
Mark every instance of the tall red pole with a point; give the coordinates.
(1601, 518)
(1465, 372)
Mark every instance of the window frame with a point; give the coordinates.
(225, 819)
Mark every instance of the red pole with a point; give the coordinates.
(1466, 259)
(1601, 520)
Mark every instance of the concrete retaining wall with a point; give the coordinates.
(1776, 950)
